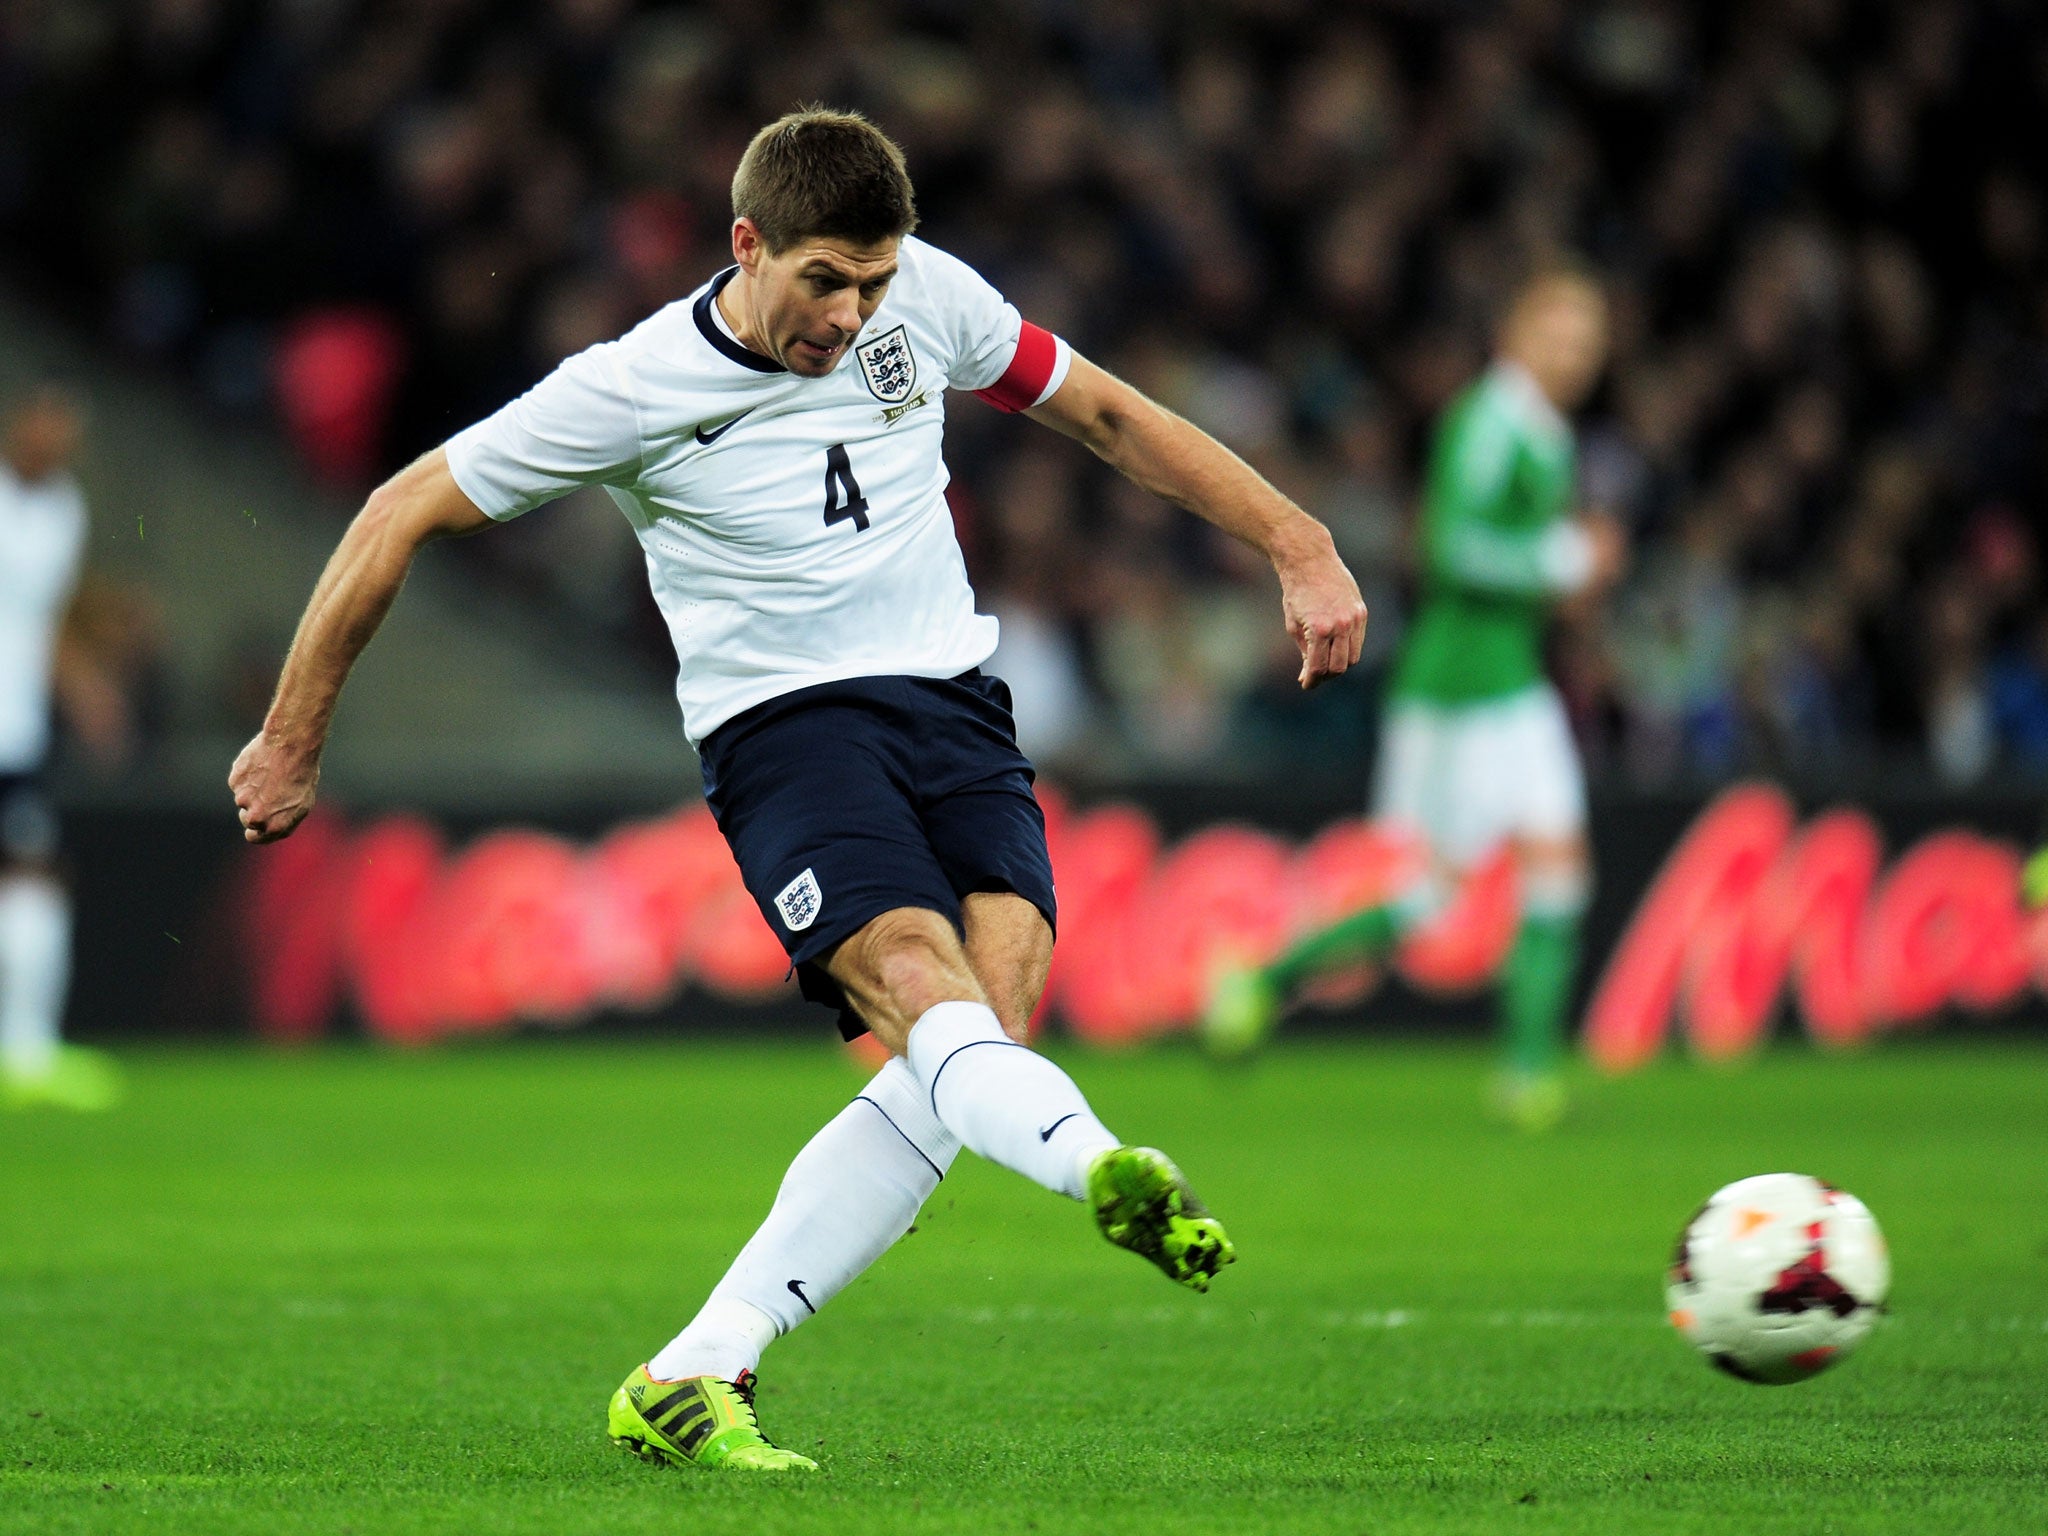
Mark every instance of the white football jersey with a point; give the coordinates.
(42, 541)
(796, 529)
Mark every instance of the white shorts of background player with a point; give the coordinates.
(1470, 777)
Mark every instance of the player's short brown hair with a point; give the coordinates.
(820, 172)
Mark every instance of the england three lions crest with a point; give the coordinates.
(799, 901)
(888, 366)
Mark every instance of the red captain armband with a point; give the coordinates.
(1031, 369)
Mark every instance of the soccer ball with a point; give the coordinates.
(1778, 1277)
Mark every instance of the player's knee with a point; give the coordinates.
(1426, 897)
(1558, 886)
(915, 958)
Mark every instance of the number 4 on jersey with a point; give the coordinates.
(839, 482)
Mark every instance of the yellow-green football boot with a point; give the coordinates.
(1243, 1007)
(75, 1078)
(2034, 880)
(1142, 1203)
(701, 1421)
(1531, 1102)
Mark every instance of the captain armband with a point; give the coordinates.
(1037, 368)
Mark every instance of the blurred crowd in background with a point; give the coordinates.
(1822, 222)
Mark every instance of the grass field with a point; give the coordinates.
(351, 1292)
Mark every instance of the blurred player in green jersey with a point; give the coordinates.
(1476, 751)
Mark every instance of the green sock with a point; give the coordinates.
(1364, 935)
(1535, 990)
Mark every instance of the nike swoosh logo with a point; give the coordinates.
(1046, 1134)
(708, 438)
(796, 1289)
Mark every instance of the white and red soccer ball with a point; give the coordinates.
(1778, 1277)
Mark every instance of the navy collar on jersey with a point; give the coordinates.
(746, 357)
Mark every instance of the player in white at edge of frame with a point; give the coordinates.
(862, 767)
(42, 547)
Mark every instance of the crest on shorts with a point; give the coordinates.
(886, 363)
(799, 901)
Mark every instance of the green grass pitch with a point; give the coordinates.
(351, 1292)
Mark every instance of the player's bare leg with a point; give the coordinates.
(908, 975)
(1245, 1002)
(1555, 877)
(853, 1190)
(1009, 949)
(898, 968)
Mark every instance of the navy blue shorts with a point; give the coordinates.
(28, 822)
(847, 800)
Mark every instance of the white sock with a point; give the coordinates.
(35, 971)
(854, 1189)
(1005, 1100)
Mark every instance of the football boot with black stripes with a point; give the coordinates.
(701, 1421)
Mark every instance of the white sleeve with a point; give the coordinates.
(993, 351)
(980, 327)
(576, 427)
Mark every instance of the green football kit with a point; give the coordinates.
(1476, 748)
(1497, 546)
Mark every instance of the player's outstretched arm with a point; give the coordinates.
(275, 776)
(1173, 458)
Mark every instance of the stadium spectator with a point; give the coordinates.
(1823, 223)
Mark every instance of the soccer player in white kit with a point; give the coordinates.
(42, 545)
(775, 439)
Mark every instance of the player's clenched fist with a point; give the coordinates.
(273, 786)
(1325, 614)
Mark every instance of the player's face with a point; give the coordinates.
(806, 304)
(1560, 336)
(42, 438)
